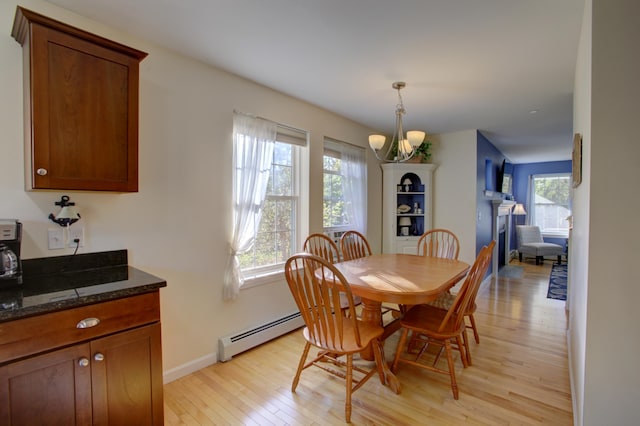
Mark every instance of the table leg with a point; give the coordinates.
(372, 312)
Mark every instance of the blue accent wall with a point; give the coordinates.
(488, 156)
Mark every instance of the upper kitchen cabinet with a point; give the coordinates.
(81, 107)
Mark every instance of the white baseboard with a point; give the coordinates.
(190, 367)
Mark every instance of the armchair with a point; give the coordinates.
(530, 243)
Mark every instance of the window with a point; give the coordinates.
(278, 225)
(333, 214)
(551, 206)
(344, 187)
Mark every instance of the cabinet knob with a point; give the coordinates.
(98, 357)
(83, 362)
(88, 323)
(41, 171)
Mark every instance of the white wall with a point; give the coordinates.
(455, 187)
(603, 286)
(177, 225)
(612, 380)
(579, 238)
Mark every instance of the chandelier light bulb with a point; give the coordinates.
(415, 137)
(376, 142)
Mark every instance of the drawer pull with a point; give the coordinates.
(83, 362)
(88, 323)
(98, 357)
(42, 172)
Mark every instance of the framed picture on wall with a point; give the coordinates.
(576, 160)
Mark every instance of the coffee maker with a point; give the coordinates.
(10, 262)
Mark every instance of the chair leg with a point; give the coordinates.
(347, 404)
(559, 259)
(520, 257)
(303, 358)
(538, 260)
(401, 343)
(476, 336)
(452, 371)
(466, 354)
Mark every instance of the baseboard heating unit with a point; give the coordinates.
(229, 346)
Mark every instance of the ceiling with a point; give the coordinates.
(468, 64)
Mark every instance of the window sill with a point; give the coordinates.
(263, 279)
(555, 234)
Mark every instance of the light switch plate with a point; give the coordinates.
(56, 238)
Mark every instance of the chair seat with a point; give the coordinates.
(542, 249)
(427, 319)
(445, 300)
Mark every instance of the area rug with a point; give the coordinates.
(511, 271)
(558, 282)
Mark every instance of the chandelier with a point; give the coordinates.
(401, 148)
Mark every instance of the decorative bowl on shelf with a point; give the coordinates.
(403, 208)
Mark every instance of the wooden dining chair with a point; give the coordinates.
(354, 245)
(443, 328)
(323, 246)
(436, 242)
(439, 243)
(445, 300)
(312, 281)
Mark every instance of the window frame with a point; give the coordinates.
(298, 140)
(550, 232)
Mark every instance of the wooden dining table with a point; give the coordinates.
(404, 279)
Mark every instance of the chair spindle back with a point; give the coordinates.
(323, 246)
(439, 243)
(354, 245)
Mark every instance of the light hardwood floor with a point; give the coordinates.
(519, 375)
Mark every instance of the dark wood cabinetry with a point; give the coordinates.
(81, 107)
(110, 373)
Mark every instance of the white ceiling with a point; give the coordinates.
(468, 64)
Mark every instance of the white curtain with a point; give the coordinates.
(530, 207)
(354, 186)
(253, 143)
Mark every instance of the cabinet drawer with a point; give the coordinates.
(41, 333)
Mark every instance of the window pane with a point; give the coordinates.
(276, 237)
(282, 179)
(334, 214)
(552, 203)
(333, 201)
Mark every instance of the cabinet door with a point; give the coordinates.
(84, 106)
(50, 389)
(127, 378)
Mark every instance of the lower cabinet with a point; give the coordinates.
(109, 380)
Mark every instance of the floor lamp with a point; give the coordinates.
(519, 210)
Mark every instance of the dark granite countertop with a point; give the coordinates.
(62, 282)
